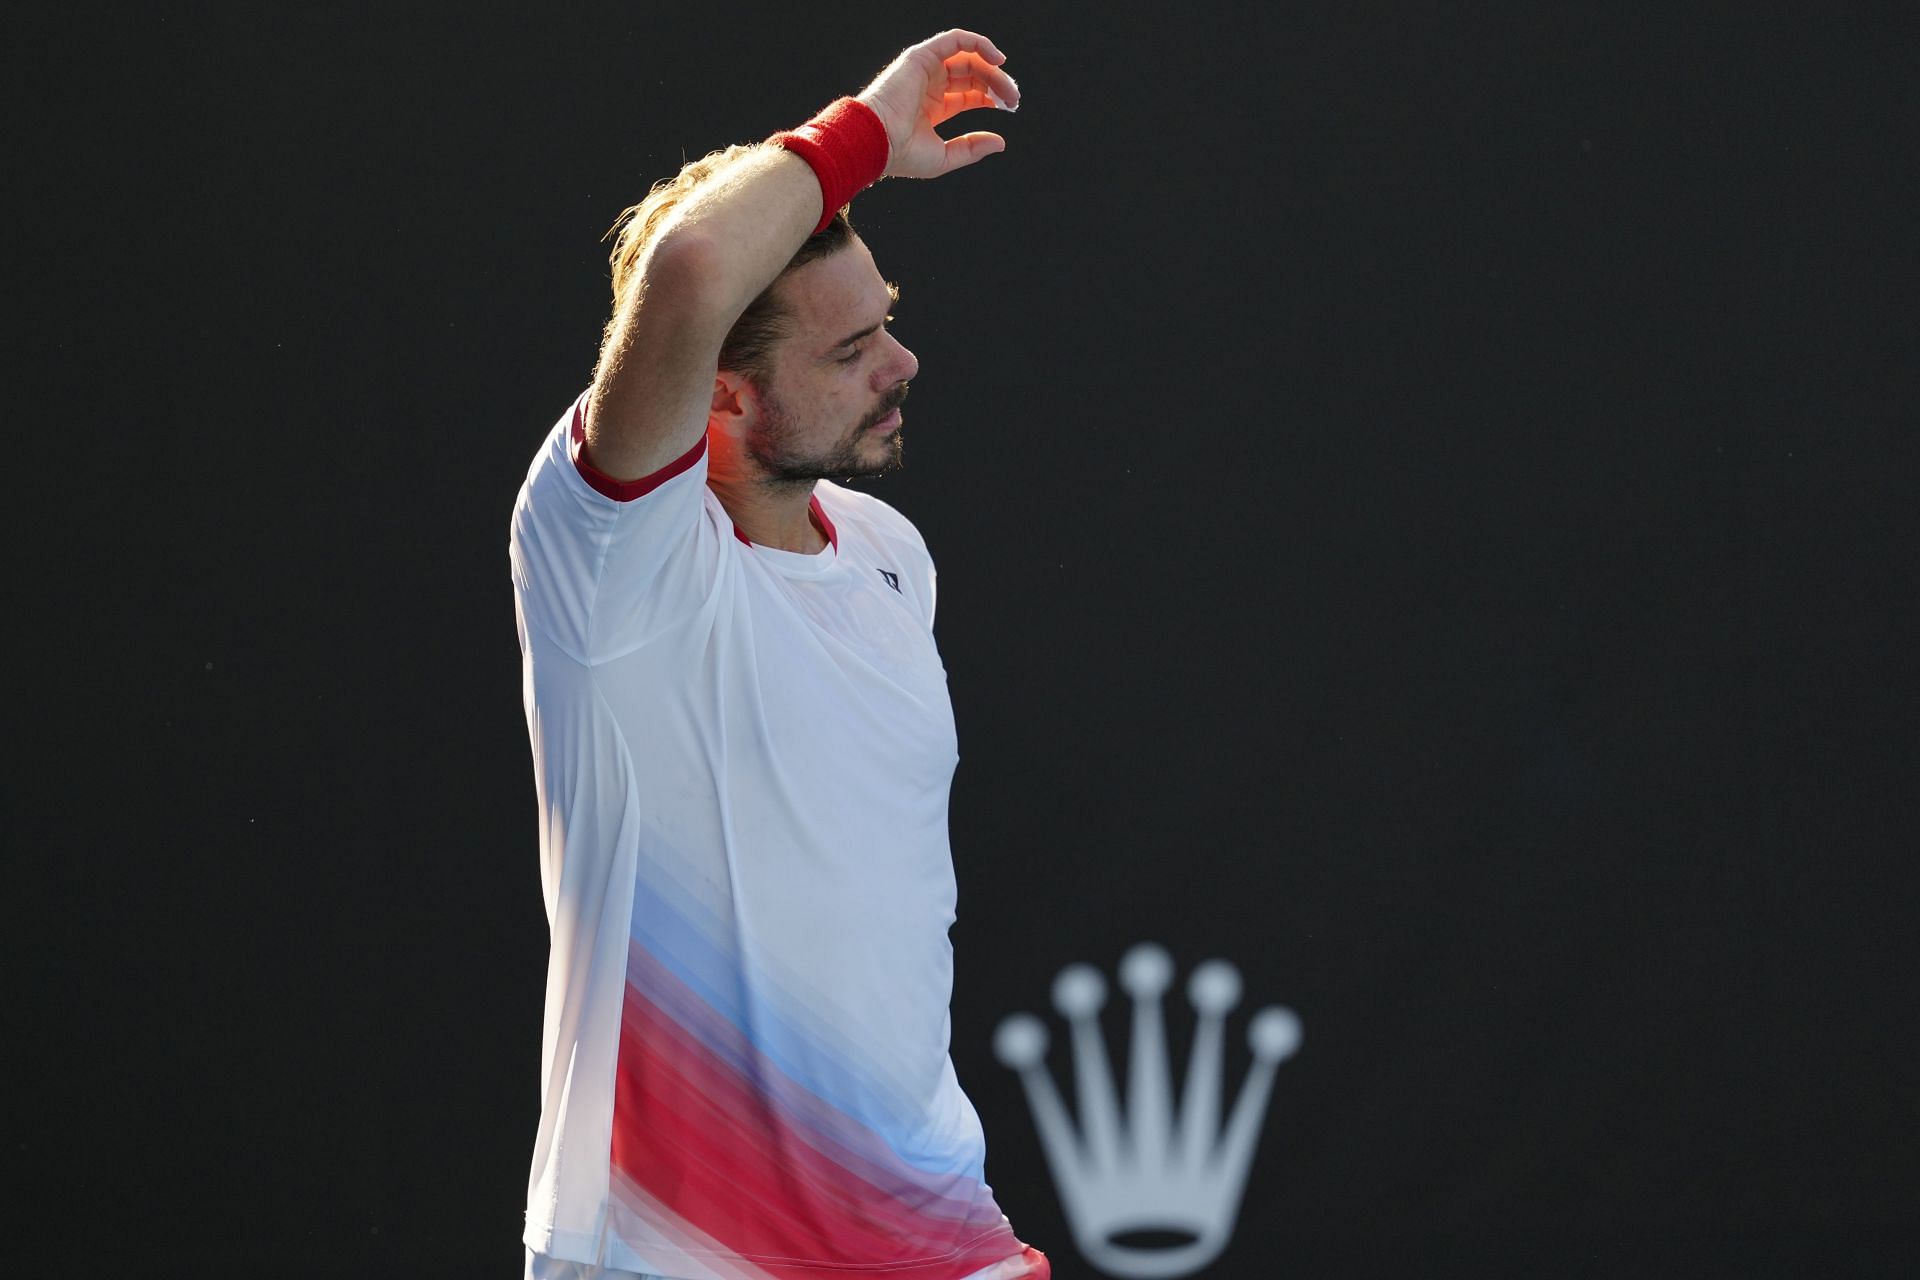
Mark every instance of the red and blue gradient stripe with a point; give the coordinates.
(721, 1145)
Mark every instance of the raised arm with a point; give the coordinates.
(712, 253)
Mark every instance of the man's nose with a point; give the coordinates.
(899, 366)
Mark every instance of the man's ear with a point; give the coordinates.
(732, 406)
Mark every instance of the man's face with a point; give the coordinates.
(830, 405)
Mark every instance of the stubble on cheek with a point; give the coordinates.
(857, 453)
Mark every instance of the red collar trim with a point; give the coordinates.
(818, 514)
(820, 521)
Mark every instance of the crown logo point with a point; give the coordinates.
(1146, 971)
(1145, 1172)
(1020, 1041)
(1274, 1034)
(1214, 988)
(1079, 991)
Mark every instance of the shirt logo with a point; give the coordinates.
(893, 579)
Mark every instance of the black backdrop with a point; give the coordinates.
(1421, 496)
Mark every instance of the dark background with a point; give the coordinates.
(1422, 498)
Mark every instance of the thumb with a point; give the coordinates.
(969, 147)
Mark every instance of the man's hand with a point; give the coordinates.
(929, 84)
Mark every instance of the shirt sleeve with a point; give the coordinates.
(598, 564)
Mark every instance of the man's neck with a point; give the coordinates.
(773, 516)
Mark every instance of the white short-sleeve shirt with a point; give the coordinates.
(742, 757)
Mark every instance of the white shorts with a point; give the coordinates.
(541, 1267)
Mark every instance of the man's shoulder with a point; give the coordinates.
(878, 519)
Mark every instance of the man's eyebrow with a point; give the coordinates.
(893, 297)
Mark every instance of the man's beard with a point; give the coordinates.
(772, 447)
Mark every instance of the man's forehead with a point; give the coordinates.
(840, 287)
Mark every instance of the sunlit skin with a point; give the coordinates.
(829, 407)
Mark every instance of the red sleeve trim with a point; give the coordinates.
(622, 490)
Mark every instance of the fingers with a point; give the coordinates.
(966, 93)
(952, 104)
(948, 43)
(967, 71)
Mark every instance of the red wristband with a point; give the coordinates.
(847, 148)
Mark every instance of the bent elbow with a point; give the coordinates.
(683, 262)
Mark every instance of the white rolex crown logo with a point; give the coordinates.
(1148, 1170)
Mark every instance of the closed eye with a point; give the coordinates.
(855, 352)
